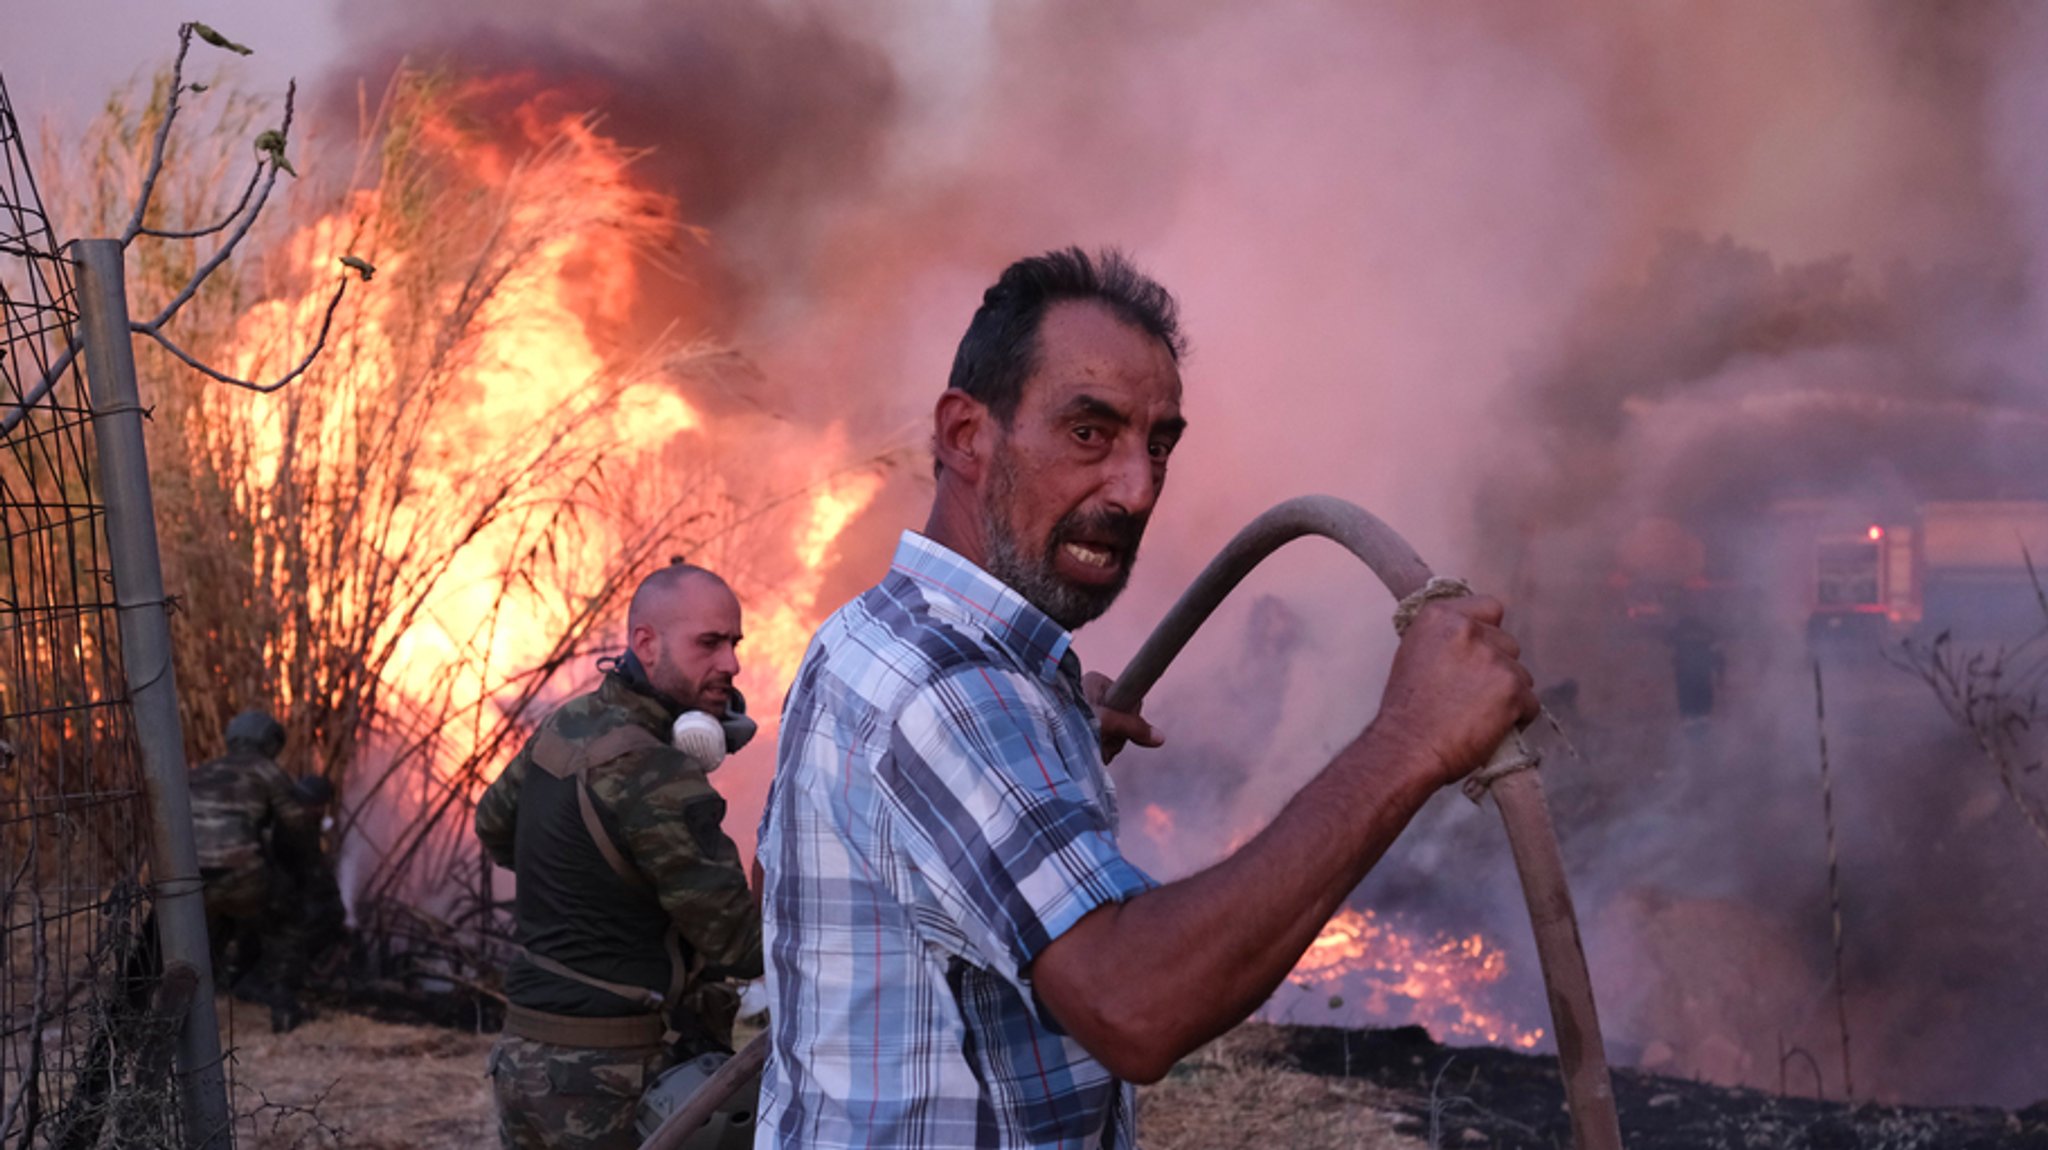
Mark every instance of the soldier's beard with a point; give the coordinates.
(676, 686)
(1035, 577)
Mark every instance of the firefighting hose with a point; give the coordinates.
(1515, 787)
(1508, 775)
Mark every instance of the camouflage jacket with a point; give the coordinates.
(245, 814)
(660, 814)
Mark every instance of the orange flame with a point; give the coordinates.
(1439, 983)
(540, 361)
(777, 640)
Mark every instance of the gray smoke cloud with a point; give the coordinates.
(1520, 280)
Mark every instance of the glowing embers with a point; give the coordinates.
(1377, 973)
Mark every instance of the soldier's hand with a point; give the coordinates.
(1118, 727)
(1457, 687)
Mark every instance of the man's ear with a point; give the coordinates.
(963, 434)
(638, 638)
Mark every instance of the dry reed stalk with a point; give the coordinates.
(1827, 807)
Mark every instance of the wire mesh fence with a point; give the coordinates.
(78, 1065)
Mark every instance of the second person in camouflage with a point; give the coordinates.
(259, 845)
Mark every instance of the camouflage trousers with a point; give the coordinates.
(266, 918)
(570, 1097)
(238, 892)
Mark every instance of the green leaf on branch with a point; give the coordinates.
(361, 266)
(271, 144)
(219, 41)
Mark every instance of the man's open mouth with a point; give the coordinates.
(1091, 555)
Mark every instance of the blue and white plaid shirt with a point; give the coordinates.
(939, 814)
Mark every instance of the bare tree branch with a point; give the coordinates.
(1995, 696)
(319, 342)
(248, 190)
(154, 170)
(268, 168)
(262, 180)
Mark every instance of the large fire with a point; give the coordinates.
(1388, 974)
(540, 406)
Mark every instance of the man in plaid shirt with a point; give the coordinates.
(959, 955)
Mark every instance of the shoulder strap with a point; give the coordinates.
(572, 760)
(672, 938)
(598, 835)
(651, 999)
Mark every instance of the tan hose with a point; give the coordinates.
(1580, 1050)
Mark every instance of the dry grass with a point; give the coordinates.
(343, 1080)
(1230, 1096)
(347, 1081)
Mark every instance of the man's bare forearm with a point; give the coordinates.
(1142, 983)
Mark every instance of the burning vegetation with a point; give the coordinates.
(418, 543)
(1438, 982)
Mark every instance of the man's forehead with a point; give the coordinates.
(1087, 351)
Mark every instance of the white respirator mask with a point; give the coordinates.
(700, 738)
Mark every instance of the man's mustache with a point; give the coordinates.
(1119, 529)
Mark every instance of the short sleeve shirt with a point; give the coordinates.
(940, 813)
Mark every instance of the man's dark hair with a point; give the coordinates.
(1000, 350)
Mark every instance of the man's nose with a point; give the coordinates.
(1132, 484)
(728, 661)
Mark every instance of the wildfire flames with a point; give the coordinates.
(1439, 982)
(1365, 970)
(546, 396)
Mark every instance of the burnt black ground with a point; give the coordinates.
(1485, 1097)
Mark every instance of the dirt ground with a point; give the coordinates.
(1238, 1093)
(345, 1080)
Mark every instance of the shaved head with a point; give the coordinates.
(659, 590)
(684, 626)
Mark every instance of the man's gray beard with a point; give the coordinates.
(1064, 603)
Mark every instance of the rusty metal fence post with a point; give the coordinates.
(146, 656)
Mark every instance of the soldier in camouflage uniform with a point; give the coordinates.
(259, 843)
(307, 918)
(632, 903)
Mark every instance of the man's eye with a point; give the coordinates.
(1086, 433)
(1161, 450)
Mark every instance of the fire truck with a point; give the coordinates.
(1962, 566)
(1848, 569)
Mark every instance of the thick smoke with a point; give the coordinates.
(1558, 291)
